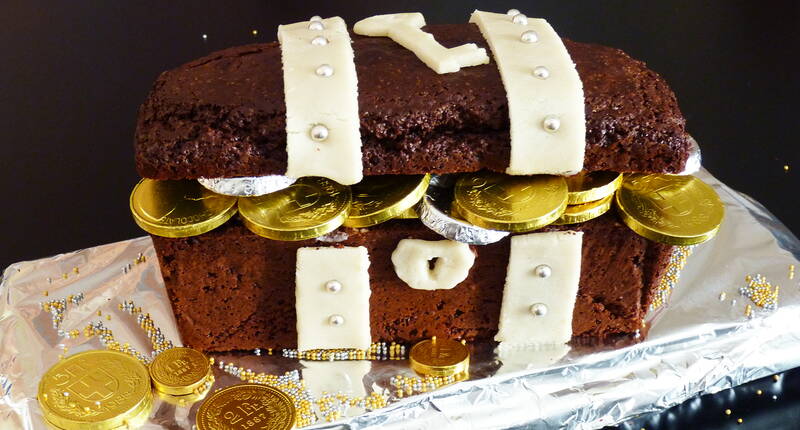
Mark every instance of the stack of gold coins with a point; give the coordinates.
(181, 375)
(676, 210)
(306, 209)
(440, 357)
(510, 203)
(96, 390)
(247, 406)
(380, 198)
(179, 208)
(590, 195)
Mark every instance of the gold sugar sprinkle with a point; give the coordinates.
(776, 378)
(670, 278)
(65, 275)
(76, 270)
(762, 293)
(45, 293)
(759, 392)
(748, 311)
(739, 420)
(785, 167)
(255, 32)
(727, 412)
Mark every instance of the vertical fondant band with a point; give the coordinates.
(544, 91)
(321, 90)
(332, 298)
(541, 285)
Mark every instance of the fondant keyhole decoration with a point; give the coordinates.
(432, 265)
(406, 30)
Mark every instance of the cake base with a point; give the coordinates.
(234, 290)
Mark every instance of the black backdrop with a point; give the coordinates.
(72, 74)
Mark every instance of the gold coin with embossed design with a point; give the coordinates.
(247, 407)
(179, 208)
(676, 210)
(586, 211)
(439, 357)
(181, 371)
(380, 198)
(96, 390)
(510, 203)
(593, 186)
(307, 209)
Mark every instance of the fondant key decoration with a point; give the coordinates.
(432, 265)
(406, 30)
(332, 298)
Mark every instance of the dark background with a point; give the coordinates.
(72, 74)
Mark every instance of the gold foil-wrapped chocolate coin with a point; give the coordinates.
(184, 400)
(380, 198)
(181, 371)
(510, 203)
(676, 210)
(591, 187)
(307, 209)
(439, 357)
(410, 213)
(96, 390)
(179, 208)
(584, 212)
(246, 407)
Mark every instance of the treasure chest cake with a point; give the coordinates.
(394, 181)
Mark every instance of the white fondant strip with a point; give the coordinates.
(432, 265)
(544, 91)
(321, 89)
(405, 29)
(541, 287)
(332, 298)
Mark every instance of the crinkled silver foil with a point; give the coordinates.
(433, 211)
(249, 186)
(694, 162)
(696, 344)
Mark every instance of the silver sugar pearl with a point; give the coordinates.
(315, 18)
(512, 12)
(319, 41)
(541, 72)
(551, 123)
(529, 36)
(319, 132)
(316, 26)
(539, 309)
(520, 19)
(333, 286)
(336, 320)
(325, 71)
(543, 271)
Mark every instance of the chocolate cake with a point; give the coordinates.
(234, 290)
(224, 116)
